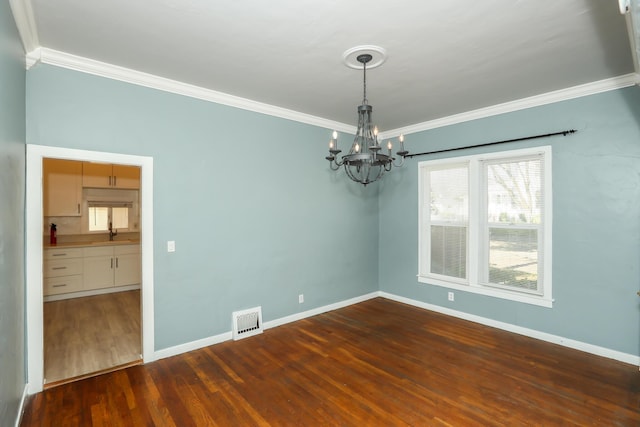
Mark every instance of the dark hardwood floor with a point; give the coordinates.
(377, 363)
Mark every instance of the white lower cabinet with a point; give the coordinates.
(62, 271)
(69, 270)
(127, 271)
(109, 266)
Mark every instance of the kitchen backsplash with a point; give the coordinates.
(76, 227)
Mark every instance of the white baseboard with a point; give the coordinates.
(190, 346)
(319, 310)
(555, 339)
(543, 336)
(226, 336)
(23, 400)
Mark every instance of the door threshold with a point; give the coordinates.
(92, 374)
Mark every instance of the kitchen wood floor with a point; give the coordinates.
(377, 363)
(92, 334)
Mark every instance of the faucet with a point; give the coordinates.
(111, 232)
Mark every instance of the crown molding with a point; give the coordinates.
(33, 57)
(102, 69)
(26, 23)
(522, 104)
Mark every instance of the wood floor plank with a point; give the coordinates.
(90, 334)
(375, 363)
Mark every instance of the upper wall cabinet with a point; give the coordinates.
(62, 187)
(105, 175)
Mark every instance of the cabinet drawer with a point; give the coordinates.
(61, 253)
(62, 285)
(126, 249)
(62, 267)
(98, 251)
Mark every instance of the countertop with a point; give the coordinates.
(91, 244)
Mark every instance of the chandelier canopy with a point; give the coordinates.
(365, 163)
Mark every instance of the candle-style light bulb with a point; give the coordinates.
(375, 131)
(389, 146)
(334, 135)
(357, 148)
(331, 144)
(401, 138)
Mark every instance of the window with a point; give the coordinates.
(485, 224)
(101, 215)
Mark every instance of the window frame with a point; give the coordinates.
(478, 227)
(110, 207)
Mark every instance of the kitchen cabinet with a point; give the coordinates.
(128, 265)
(62, 192)
(106, 175)
(62, 270)
(109, 266)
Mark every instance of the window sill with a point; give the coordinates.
(491, 292)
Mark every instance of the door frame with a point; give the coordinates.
(34, 246)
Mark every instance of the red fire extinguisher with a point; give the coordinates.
(53, 235)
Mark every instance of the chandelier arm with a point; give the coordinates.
(398, 164)
(334, 165)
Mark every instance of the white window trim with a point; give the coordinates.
(110, 217)
(472, 284)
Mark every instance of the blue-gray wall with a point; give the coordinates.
(12, 196)
(258, 218)
(596, 219)
(256, 214)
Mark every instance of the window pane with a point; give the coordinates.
(120, 217)
(449, 251)
(513, 258)
(449, 196)
(98, 219)
(515, 192)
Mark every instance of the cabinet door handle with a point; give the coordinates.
(111, 262)
(109, 180)
(116, 262)
(63, 254)
(60, 286)
(114, 181)
(59, 268)
(78, 207)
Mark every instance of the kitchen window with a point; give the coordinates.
(101, 215)
(485, 224)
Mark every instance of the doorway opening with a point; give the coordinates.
(92, 269)
(37, 275)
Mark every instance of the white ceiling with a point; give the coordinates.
(444, 57)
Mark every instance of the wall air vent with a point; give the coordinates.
(246, 323)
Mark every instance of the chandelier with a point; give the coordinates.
(365, 163)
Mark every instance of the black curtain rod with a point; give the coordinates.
(563, 133)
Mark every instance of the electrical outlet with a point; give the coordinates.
(451, 296)
(171, 246)
(300, 298)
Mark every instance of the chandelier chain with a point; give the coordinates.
(364, 84)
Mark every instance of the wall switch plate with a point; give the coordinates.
(171, 246)
(300, 298)
(451, 296)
